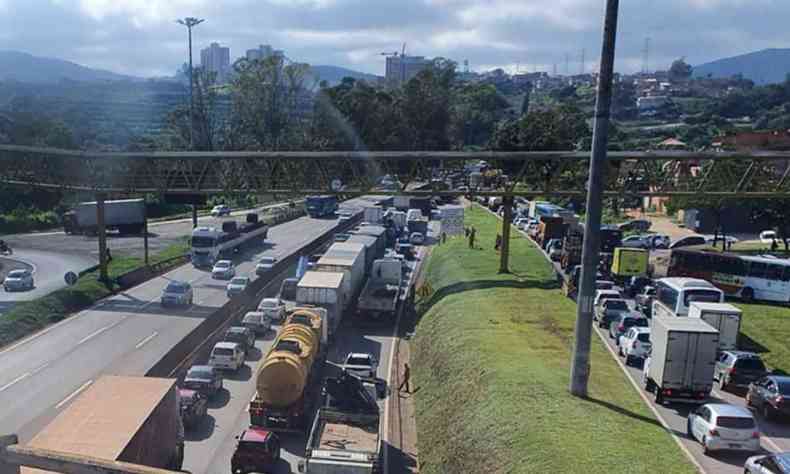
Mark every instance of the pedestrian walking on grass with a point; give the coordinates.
(444, 237)
(108, 255)
(498, 243)
(406, 379)
(472, 238)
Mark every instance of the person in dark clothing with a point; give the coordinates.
(444, 237)
(108, 255)
(498, 243)
(406, 379)
(472, 238)
(774, 245)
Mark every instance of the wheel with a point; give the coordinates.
(688, 429)
(747, 294)
(659, 396)
(723, 383)
(705, 449)
(629, 361)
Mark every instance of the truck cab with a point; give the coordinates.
(257, 450)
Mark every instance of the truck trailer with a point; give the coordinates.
(326, 290)
(722, 316)
(680, 367)
(126, 216)
(130, 419)
(347, 258)
(379, 297)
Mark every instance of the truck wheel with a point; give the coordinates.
(722, 383)
(747, 294)
(659, 396)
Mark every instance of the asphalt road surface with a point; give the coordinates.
(160, 236)
(775, 434)
(48, 271)
(123, 335)
(210, 447)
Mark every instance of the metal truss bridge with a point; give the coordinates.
(630, 174)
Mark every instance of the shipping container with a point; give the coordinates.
(324, 289)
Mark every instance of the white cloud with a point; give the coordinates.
(140, 12)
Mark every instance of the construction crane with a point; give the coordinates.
(394, 54)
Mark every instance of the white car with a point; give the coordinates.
(226, 355)
(221, 210)
(257, 321)
(635, 344)
(361, 363)
(768, 236)
(264, 265)
(344, 215)
(237, 285)
(416, 238)
(720, 426)
(603, 295)
(18, 280)
(274, 308)
(223, 270)
(778, 463)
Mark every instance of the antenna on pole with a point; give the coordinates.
(584, 53)
(646, 56)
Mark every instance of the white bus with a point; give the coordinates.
(675, 295)
(742, 276)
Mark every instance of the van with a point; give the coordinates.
(226, 355)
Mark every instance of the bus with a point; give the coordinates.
(742, 276)
(674, 295)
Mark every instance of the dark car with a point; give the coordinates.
(193, 405)
(257, 450)
(204, 379)
(619, 326)
(688, 241)
(638, 225)
(738, 369)
(244, 336)
(611, 310)
(770, 395)
(407, 250)
(635, 285)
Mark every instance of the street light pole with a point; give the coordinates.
(190, 22)
(580, 363)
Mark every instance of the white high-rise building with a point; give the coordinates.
(216, 59)
(402, 68)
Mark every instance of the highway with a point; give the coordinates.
(125, 334)
(210, 447)
(776, 434)
(48, 271)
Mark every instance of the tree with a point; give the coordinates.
(476, 109)
(525, 101)
(680, 70)
(423, 107)
(270, 103)
(206, 121)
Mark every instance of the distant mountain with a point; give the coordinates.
(763, 67)
(24, 67)
(334, 74)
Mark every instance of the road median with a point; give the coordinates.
(491, 363)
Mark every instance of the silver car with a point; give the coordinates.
(177, 293)
(19, 280)
(237, 285)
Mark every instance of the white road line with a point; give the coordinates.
(39, 368)
(73, 394)
(93, 334)
(146, 340)
(16, 380)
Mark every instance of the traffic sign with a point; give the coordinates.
(71, 278)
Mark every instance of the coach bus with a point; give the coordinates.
(742, 276)
(674, 295)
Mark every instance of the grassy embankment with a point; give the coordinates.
(491, 359)
(30, 316)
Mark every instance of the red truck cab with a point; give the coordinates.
(257, 450)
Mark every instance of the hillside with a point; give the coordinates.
(763, 67)
(24, 67)
(334, 74)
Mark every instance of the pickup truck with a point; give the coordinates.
(362, 364)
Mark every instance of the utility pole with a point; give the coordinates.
(567, 64)
(580, 364)
(646, 57)
(507, 218)
(191, 22)
(583, 59)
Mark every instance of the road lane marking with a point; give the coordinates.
(146, 340)
(93, 334)
(73, 394)
(39, 368)
(15, 381)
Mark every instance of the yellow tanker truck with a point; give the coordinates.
(289, 379)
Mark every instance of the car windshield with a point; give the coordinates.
(638, 322)
(358, 361)
(267, 260)
(223, 351)
(750, 364)
(222, 265)
(643, 337)
(735, 422)
(17, 274)
(616, 304)
(269, 304)
(241, 281)
(176, 288)
(199, 373)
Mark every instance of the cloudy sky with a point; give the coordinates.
(140, 37)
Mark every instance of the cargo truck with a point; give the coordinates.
(418, 225)
(421, 203)
(572, 247)
(347, 258)
(210, 244)
(550, 228)
(373, 214)
(326, 290)
(401, 203)
(722, 316)
(379, 297)
(288, 381)
(680, 366)
(628, 262)
(344, 438)
(130, 419)
(126, 216)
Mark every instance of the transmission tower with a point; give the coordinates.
(646, 57)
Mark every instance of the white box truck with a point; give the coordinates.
(347, 258)
(323, 289)
(682, 359)
(722, 316)
(373, 214)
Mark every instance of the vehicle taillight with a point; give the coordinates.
(668, 392)
(732, 371)
(713, 432)
(755, 434)
(779, 399)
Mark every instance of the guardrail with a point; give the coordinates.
(198, 343)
